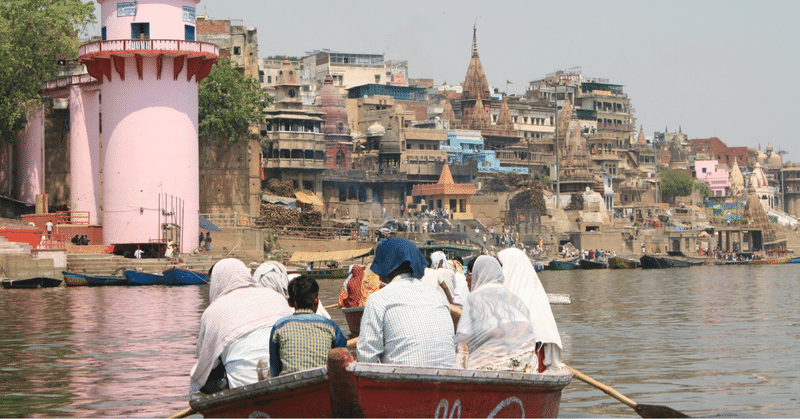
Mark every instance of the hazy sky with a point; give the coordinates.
(713, 68)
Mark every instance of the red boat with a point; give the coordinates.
(772, 261)
(346, 388)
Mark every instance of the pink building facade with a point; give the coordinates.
(718, 180)
(149, 67)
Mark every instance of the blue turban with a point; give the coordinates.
(393, 252)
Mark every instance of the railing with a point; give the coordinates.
(231, 220)
(67, 81)
(148, 45)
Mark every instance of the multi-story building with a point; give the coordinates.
(294, 146)
(236, 42)
(350, 70)
(717, 179)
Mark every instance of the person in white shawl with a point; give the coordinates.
(273, 275)
(236, 325)
(494, 332)
(521, 278)
(439, 277)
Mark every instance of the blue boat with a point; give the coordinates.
(104, 280)
(144, 278)
(794, 259)
(179, 276)
(563, 265)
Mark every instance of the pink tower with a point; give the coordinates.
(149, 65)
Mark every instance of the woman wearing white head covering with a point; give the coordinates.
(273, 275)
(521, 278)
(494, 332)
(236, 325)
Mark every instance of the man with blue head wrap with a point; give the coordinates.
(405, 322)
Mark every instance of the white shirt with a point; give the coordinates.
(405, 323)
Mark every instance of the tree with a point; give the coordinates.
(34, 35)
(675, 182)
(704, 190)
(229, 104)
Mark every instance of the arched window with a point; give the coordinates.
(340, 158)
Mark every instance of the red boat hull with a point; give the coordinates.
(382, 390)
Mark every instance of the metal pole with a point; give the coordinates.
(558, 149)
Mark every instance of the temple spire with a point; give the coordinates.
(475, 40)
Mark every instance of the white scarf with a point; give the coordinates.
(522, 279)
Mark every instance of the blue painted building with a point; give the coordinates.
(465, 145)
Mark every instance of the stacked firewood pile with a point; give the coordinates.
(280, 188)
(272, 216)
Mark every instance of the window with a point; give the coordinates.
(103, 33)
(269, 79)
(237, 50)
(188, 31)
(140, 31)
(377, 79)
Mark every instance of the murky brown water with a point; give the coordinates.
(708, 341)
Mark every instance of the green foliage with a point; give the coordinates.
(282, 58)
(675, 182)
(34, 35)
(704, 190)
(544, 179)
(229, 104)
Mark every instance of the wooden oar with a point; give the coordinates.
(189, 411)
(330, 306)
(644, 410)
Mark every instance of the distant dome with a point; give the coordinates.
(333, 106)
(761, 158)
(376, 130)
(774, 159)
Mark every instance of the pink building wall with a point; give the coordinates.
(149, 119)
(29, 179)
(717, 180)
(84, 112)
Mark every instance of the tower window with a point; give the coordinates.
(237, 50)
(188, 31)
(140, 30)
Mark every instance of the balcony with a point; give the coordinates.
(157, 46)
(614, 127)
(284, 163)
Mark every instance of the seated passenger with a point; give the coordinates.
(438, 276)
(404, 322)
(302, 341)
(273, 275)
(521, 278)
(235, 328)
(460, 287)
(357, 287)
(494, 332)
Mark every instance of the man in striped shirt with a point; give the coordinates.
(302, 341)
(407, 321)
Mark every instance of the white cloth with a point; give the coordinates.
(495, 323)
(273, 275)
(437, 258)
(460, 289)
(405, 323)
(237, 306)
(242, 355)
(522, 279)
(435, 277)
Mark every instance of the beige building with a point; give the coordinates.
(236, 42)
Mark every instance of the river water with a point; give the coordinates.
(708, 341)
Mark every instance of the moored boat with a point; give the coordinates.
(773, 261)
(618, 262)
(591, 264)
(28, 283)
(732, 262)
(562, 265)
(322, 273)
(144, 278)
(794, 259)
(48, 282)
(105, 280)
(346, 388)
(180, 276)
(74, 279)
(652, 262)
